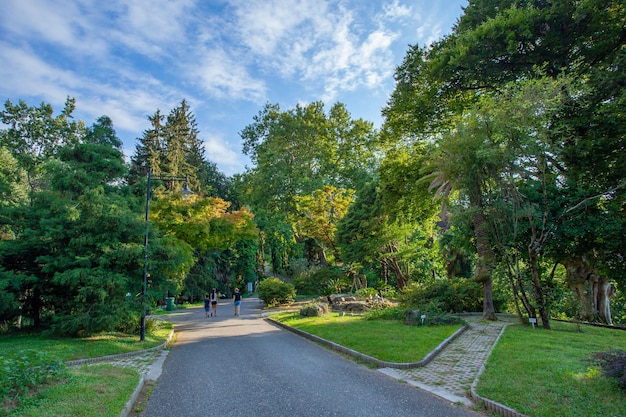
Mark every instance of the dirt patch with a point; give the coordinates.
(142, 399)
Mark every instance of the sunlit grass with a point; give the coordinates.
(546, 372)
(84, 347)
(387, 340)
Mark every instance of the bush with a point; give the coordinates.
(613, 365)
(450, 296)
(316, 281)
(273, 291)
(26, 369)
(414, 318)
(366, 292)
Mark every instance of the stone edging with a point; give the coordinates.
(369, 359)
(493, 406)
(142, 380)
(121, 355)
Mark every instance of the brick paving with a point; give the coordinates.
(451, 373)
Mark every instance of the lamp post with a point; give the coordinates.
(186, 192)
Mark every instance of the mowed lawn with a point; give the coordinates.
(386, 340)
(547, 373)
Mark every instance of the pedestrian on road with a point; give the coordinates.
(207, 305)
(237, 301)
(214, 302)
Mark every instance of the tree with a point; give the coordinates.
(317, 216)
(34, 134)
(150, 149)
(295, 153)
(495, 43)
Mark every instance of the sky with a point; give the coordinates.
(228, 58)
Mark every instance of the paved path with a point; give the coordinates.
(246, 366)
(452, 372)
(449, 375)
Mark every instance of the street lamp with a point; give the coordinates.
(186, 192)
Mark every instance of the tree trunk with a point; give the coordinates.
(539, 297)
(484, 265)
(593, 291)
(401, 279)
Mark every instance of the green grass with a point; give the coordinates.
(89, 391)
(387, 340)
(545, 373)
(84, 347)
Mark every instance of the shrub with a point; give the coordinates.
(366, 292)
(26, 369)
(452, 296)
(315, 280)
(273, 291)
(414, 318)
(613, 365)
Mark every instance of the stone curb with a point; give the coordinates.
(121, 355)
(142, 380)
(369, 359)
(493, 406)
(490, 405)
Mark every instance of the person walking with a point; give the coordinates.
(207, 306)
(237, 301)
(214, 302)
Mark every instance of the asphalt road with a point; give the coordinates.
(245, 366)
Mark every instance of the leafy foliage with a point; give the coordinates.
(273, 291)
(25, 369)
(453, 296)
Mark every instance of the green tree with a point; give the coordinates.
(295, 153)
(149, 150)
(499, 42)
(34, 134)
(317, 216)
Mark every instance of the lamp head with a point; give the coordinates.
(186, 192)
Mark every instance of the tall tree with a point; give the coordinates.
(34, 134)
(295, 153)
(150, 149)
(317, 216)
(498, 42)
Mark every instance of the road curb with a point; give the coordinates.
(369, 359)
(493, 406)
(488, 404)
(142, 379)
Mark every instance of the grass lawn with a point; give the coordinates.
(89, 391)
(387, 340)
(545, 373)
(84, 347)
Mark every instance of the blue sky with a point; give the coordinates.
(227, 58)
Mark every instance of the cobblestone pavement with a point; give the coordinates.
(451, 373)
(143, 362)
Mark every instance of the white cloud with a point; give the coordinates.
(396, 10)
(225, 78)
(228, 160)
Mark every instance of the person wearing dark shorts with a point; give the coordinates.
(214, 302)
(237, 301)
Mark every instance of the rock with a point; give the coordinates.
(314, 310)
